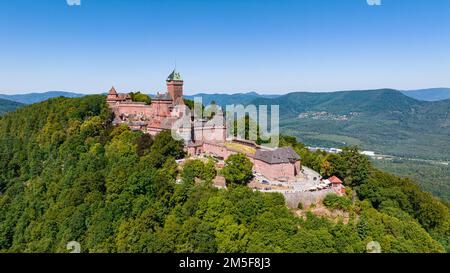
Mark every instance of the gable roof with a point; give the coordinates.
(112, 91)
(335, 180)
(124, 96)
(280, 155)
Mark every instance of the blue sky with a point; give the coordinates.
(268, 46)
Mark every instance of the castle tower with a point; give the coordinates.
(112, 92)
(175, 85)
(112, 95)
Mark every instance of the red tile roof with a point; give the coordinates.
(112, 91)
(335, 180)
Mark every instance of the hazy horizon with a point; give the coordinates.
(190, 93)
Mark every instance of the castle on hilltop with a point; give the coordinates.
(202, 137)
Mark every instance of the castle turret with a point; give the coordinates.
(112, 91)
(175, 85)
(112, 95)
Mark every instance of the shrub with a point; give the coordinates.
(238, 169)
(337, 202)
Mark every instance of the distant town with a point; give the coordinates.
(323, 115)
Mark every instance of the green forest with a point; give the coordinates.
(7, 105)
(66, 174)
(432, 177)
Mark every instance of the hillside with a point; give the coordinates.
(343, 102)
(38, 97)
(430, 94)
(7, 105)
(385, 121)
(66, 174)
(434, 178)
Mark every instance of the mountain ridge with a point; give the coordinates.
(226, 99)
(429, 94)
(30, 98)
(8, 105)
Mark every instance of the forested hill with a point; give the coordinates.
(67, 175)
(382, 101)
(31, 98)
(227, 99)
(430, 94)
(7, 105)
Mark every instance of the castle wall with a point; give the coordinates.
(153, 131)
(306, 198)
(210, 133)
(217, 149)
(161, 108)
(279, 171)
(134, 108)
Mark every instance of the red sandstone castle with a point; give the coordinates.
(201, 136)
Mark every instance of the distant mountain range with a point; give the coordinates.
(385, 120)
(7, 106)
(221, 99)
(38, 97)
(226, 99)
(430, 94)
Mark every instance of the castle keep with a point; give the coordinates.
(201, 136)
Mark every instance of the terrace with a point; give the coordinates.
(308, 181)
